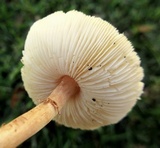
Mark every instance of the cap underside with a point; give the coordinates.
(90, 50)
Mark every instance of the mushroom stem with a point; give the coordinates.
(26, 125)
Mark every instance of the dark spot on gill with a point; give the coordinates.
(93, 99)
(93, 120)
(90, 68)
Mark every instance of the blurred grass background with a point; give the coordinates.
(139, 20)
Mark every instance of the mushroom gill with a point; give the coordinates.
(91, 51)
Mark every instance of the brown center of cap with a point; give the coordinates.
(70, 84)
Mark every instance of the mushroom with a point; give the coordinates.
(89, 70)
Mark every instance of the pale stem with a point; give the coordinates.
(26, 125)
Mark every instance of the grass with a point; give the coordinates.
(139, 20)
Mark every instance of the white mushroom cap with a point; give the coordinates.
(100, 59)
